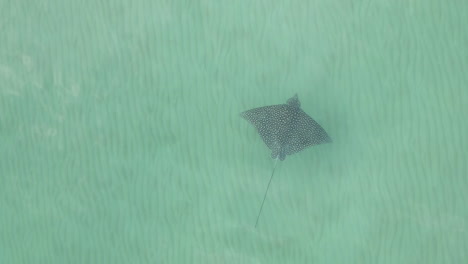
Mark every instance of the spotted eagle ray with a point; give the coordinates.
(285, 129)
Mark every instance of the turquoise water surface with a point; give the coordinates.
(121, 140)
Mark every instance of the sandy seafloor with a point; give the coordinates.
(121, 140)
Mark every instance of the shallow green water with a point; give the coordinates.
(121, 140)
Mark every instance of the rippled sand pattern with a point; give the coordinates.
(121, 141)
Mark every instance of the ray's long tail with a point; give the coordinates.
(268, 187)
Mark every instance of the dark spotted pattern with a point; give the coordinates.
(285, 128)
